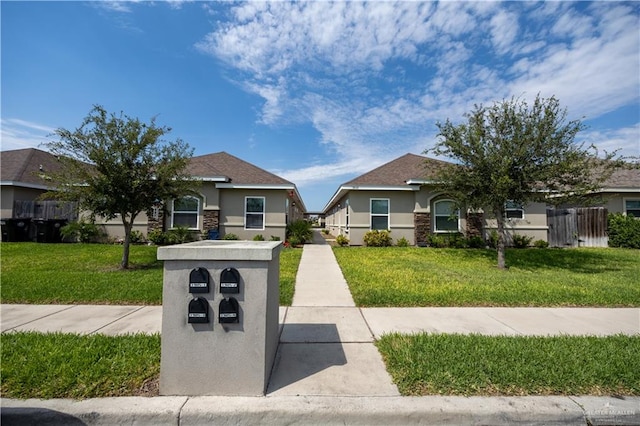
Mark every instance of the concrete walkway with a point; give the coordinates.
(327, 369)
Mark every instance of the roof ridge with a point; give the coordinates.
(23, 166)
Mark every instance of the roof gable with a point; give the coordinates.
(28, 166)
(237, 170)
(400, 171)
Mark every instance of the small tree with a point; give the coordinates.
(521, 154)
(118, 166)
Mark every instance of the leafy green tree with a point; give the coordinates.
(118, 166)
(513, 152)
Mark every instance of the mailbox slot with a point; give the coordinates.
(229, 311)
(230, 281)
(198, 311)
(199, 281)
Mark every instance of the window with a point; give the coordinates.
(254, 213)
(380, 214)
(185, 212)
(632, 208)
(446, 216)
(346, 206)
(514, 210)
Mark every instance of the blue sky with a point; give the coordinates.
(316, 92)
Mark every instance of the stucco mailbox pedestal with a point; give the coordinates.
(220, 303)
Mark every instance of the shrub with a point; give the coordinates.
(624, 231)
(403, 242)
(342, 240)
(521, 241)
(230, 237)
(275, 238)
(82, 231)
(325, 231)
(258, 237)
(300, 230)
(180, 235)
(540, 244)
(476, 242)
(446, 240)
(158, 237)
(136, 237)
(376, 238)
(294, 241)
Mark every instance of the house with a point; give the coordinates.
(25, 176)
(235, 197)
(400, 196)
(621, 192)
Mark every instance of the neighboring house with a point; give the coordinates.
(234, 197)
(25, 176)
(621, 192)
(400, 196)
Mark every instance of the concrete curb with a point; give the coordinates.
(305, 410)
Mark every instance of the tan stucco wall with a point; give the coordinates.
(9, 194)
(232, 213)
(534, 223)
(401, 205)
(6, 202)
(210, 195)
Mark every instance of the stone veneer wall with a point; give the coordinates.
(211, 219)
(474, 224)
(422, 228)
(153, 223)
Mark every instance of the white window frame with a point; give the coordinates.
(185, 212)
(624, 206)
(436, 215)
(510, 206)
(263, 213)
(387, 215)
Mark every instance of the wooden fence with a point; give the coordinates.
(50, 209)
(578, 227)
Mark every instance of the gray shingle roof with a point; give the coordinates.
(624, 178)
(399, 171)
(239, 171)
(27, 166)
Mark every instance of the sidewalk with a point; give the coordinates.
(327, 369)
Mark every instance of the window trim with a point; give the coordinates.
(436, 215)
(197, 212)
(624, 206)
(264, 210)
(508, 209)
(387, 215)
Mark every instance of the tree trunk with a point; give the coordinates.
(128, 225)
(500, 246)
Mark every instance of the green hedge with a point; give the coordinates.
(624, 231)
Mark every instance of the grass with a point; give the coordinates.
(411, 276)
(289, 261)
(446, 364)
(88, 273)
(36, 365)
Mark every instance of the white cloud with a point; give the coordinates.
(626, 140)
(504, 29)
(19, 134)
(373, 77)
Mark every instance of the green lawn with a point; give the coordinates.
(411, 276)
(446, 364)
(36, 365)
(88, 273)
